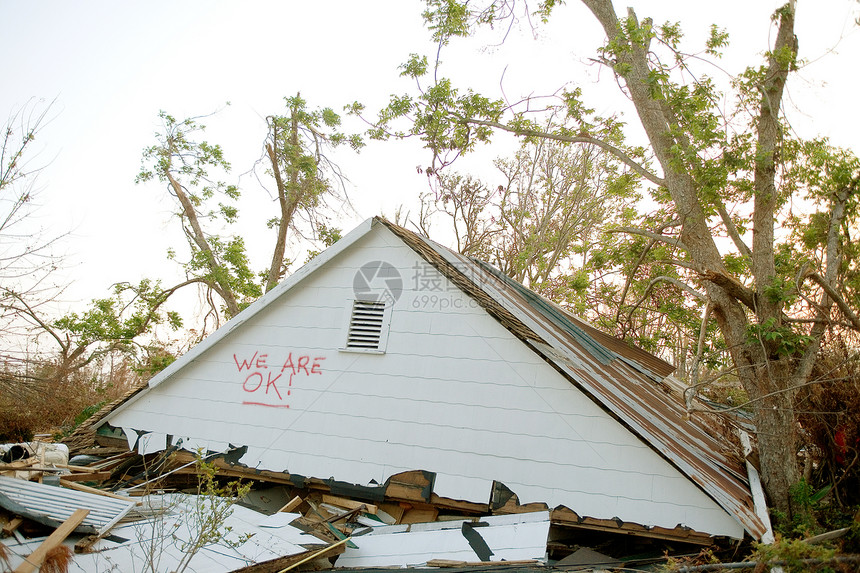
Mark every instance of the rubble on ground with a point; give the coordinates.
(119, 510)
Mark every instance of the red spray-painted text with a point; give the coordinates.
(262, 379)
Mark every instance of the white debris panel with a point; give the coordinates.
(497, 538)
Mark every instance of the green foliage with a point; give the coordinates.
(791, 553)
(85, 414)
(778, 338)
(305, 177)
(203, 525)
(178, 153)
(116, 322)
(157, 359)
(184, 163)
(328, 236)
(213, 505)
(719, 38)
(801, 523)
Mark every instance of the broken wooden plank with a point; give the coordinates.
(35, 559)
(35, 469)
(827, 536)
(562, 516)
(12, 526)
(85, 544)
(410, 486)
(79, 469)
(19, 464)
(349, 503)
(395, 510)
(80, 487)
(101, 451)
(93, 476)
(420, 515)
(283, 564)
(457, 505)
(227, 470)
(291, 505)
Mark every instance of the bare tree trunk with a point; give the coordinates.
(289, 195)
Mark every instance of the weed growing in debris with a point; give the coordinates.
(202, 519)
(213, 504)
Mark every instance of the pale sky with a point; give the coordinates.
(111, 66)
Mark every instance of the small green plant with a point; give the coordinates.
(791, 553)
(202, 520)
(212, 505)
(802, 522)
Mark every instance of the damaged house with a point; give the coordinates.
(390, 368)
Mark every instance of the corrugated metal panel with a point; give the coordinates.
(53, 505)
(629, 393)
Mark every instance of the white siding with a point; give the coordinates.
(454, 393)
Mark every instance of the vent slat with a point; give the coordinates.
(365, 325)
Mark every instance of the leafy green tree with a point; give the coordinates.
(305, 182)
(184, 164)
(305, 177)
(117, 324)
(772, 299)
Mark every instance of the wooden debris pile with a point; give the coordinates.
(322, 523)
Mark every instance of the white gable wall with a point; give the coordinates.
(455, 393)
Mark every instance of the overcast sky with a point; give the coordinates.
(111, 66)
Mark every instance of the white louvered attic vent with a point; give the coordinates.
(368, 327)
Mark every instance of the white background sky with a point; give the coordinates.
(111, 66)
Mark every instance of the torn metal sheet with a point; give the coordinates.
(497, 538)
(52, 505)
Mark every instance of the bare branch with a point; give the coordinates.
(673, 241)
(731, 228)
(624, 157)
(836, 297)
